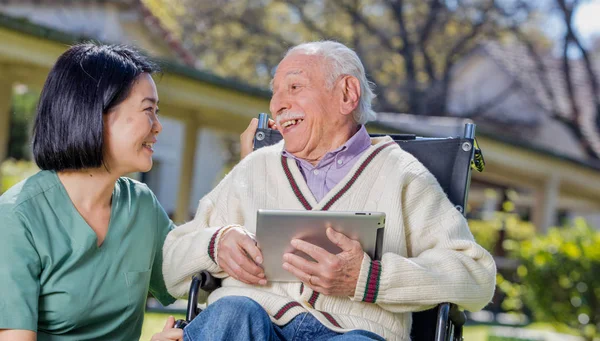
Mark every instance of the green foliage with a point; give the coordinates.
(14, 171)
(487, 232)
(560, 278)
(21, 120)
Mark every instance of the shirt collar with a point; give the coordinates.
(358, 143)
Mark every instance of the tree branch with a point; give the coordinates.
(408, 54)
(541, 69)
(480, 109)
(434, 9)
(359, 18)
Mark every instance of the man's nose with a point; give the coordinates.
(279, 103)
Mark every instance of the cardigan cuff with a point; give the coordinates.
(214, 242)
(367, 287)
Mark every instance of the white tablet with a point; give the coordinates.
(275, 229)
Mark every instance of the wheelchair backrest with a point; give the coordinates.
(448, 159)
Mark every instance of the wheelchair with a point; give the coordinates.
(450, 160)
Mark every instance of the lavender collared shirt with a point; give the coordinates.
(334, 165)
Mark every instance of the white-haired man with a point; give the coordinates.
(327, 161)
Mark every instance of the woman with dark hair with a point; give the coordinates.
(80, 244)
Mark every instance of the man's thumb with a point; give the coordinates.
(339, 239)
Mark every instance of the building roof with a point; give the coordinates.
(520, 65)
(150, 21)
(24, 25)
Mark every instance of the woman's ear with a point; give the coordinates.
(350, 87)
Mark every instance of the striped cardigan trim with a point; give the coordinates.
(356, 175)
(285, 309)
(330, 319)
(212, 247)
(344, 189)
(372, 288)
(295, 187)
(313, 298)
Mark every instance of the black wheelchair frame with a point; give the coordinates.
(450, 160)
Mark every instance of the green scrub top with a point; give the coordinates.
(55, 280)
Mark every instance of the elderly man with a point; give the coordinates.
(321, 99)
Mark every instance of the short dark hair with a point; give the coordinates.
(87, 81)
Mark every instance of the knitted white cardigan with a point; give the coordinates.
(429, 253)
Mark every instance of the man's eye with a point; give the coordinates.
(295, 86)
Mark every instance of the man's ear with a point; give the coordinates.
(350, 87)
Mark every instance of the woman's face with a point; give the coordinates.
(130, 129)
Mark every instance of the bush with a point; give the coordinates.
(560, 278)
(14, 172)
(24, 102)
(487, 232)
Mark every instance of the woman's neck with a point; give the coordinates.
(89, 189)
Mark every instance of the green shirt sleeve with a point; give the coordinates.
(158, 289)
(20, 269)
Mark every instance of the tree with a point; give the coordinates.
(408, 46)
(575, 118)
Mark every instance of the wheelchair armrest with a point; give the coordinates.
(201, 281)
(449, 313)
(457, 316)
(208, 282)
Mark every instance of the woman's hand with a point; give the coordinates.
(169, 332)
(247, 137)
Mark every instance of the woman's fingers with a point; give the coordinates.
(169, 332)
(247, 138)
(169, 324)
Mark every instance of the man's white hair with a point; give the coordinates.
(342, 61)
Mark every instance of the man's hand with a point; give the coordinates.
(333, 275)
(247, 137)
(238, 255)
(169, 332)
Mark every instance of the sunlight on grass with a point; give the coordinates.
(154, 323)
(476, 333)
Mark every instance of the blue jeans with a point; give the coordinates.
(241, 318)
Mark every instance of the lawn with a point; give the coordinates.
(154, 322)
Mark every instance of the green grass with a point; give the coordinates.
(154, 322)
(476, 333)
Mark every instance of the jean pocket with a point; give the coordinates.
(137, 286)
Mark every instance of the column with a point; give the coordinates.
(187, 171)
(546, 203)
